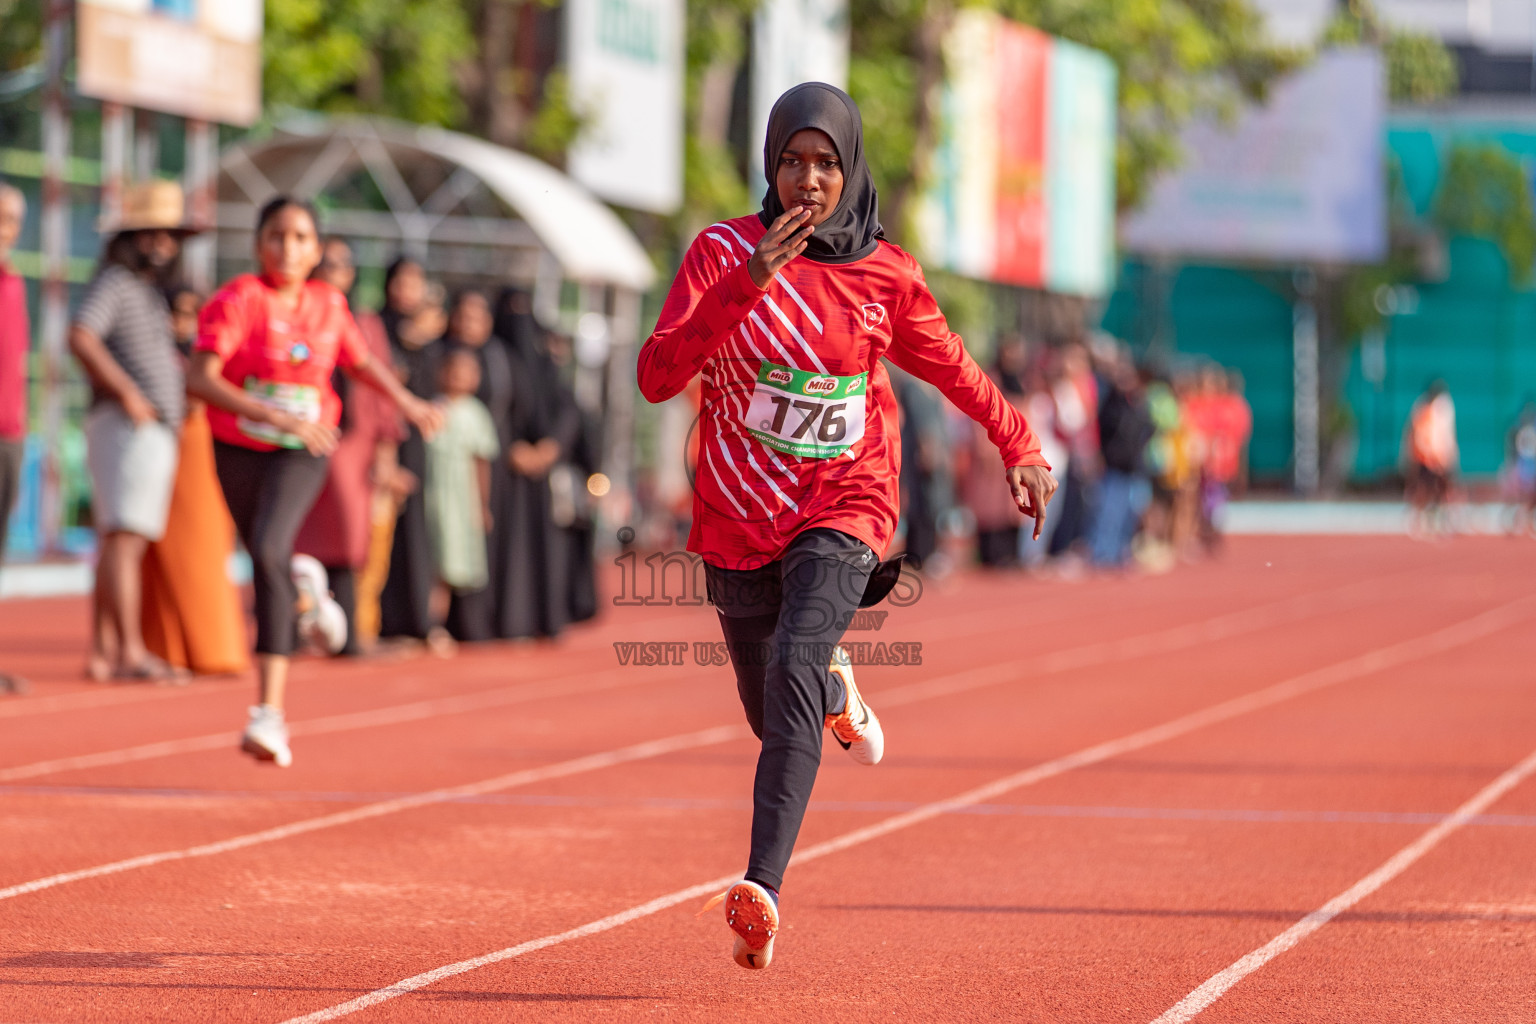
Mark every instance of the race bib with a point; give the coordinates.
(298, 400)
(812, 415)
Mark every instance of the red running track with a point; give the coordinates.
(1099, 798)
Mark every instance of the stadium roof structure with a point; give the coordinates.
(467, 208)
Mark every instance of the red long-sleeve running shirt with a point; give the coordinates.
(778, 368)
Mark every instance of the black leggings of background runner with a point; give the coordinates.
(269, 495)
(781, 622)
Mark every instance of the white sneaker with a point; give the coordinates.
(266, 736)
(856, 728)
(321, 622)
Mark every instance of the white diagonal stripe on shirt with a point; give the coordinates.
(796, 332)
(709, 461)
(789, 360)
(725, 451)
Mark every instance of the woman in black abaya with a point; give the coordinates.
(530, 563)
(413, 326)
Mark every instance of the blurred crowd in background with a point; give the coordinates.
(483, 532)
(1147, 456)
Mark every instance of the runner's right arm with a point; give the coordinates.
(708, 301)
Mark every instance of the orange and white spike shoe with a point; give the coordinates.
(856, 728)
(753, 914)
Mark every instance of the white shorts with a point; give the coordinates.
(133, 469)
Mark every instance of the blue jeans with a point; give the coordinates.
(1123, 498)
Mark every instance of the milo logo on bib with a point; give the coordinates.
(811, 415)
(820, 386)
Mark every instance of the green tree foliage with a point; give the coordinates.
(395, 57)
(1419, 67)
(1484, 193)
(713, 184)
(429, 61)
(21, 38)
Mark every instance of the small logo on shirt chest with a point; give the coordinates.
(874, 315)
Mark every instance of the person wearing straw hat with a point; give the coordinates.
(122, 337)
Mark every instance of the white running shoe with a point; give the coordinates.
(856, 728)
(266, 736)
(322, 623)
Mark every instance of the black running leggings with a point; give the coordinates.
(781, 622)
(269, 495)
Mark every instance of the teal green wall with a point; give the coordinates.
(1473, 329)
(1234, 317)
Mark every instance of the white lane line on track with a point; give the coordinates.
(1221, 815)
(1218, 984)
(114, 694)
(415, 711)
(526, 776)
(1438, 642)
(410, 712)
(942, 686)
(1161, 642)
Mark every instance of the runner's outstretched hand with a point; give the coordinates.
(318, 439)
(1032, 488)
(784, 241)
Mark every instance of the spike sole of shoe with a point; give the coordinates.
(750, 913)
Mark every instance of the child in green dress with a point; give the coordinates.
(458, 487)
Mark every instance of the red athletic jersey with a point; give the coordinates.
(264, 345)
(838, 320)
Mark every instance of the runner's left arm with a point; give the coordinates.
(924, 346)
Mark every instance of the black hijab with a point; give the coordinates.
(853, 230)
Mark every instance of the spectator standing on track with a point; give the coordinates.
(122, 337)
(1164, 456)
(458, 485)
(192, 613)
(531, 564)
(571, 499)
(1077, 391)
(798, 486)
(340, 524)
(472, 611)
(1040, 413)
(924, 468)
(266, 349)
(414, 321)
(1432, 456)
(1125, 427)
(1520, 471)
(997, 518)
(1225, 422)
(15, 341)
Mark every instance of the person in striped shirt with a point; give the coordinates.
(785, 315)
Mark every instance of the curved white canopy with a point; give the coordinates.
(436, 184)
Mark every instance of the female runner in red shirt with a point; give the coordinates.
(785, 315)
(265, 351)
